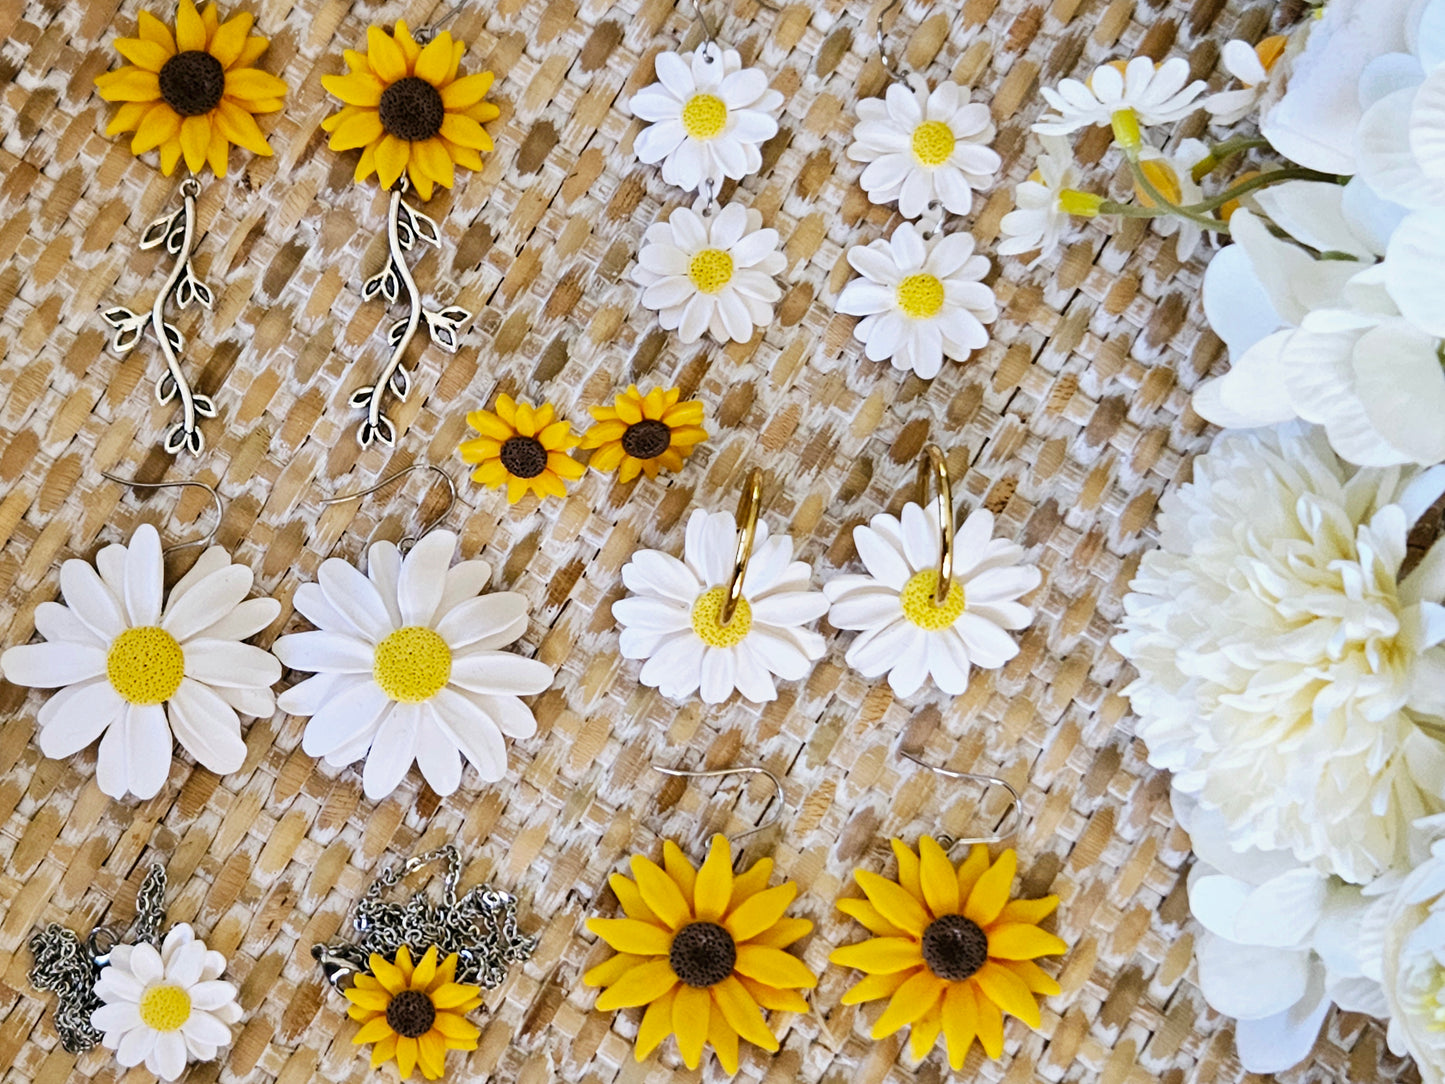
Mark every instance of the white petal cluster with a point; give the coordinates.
(1157, 94)
(1038, 221)
(1410, 915)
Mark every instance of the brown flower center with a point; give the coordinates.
(702, 954)
(192, 82)
(411, 1014)
(524, 457)
(412, 109)
(954, 948)
(647, 439)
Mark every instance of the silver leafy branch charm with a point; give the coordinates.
(405, 226)
(177, 232)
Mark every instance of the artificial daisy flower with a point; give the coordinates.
(644, 434)
(523, 448)
(165, 1008)
(413, 1014)
(673, 615)
(921, 147)
(921, 300)
(1251, 65)
(194, 93)
(904, 633)
(136, 673)
(1039, 219)
(708, 118)
(703, 949)
(1153, 94)
(1172, 177)
(951, 951)
(711, 273)
(408, 111)
(408, 668)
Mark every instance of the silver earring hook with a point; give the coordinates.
(1015, 809)
(409, 540)
(424, 34)
(889, 64)
(215, 497)
(707, 32)
(745, 769)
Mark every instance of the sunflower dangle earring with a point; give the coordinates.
(158, 1002)
(703, 949)
(189, 94)
(417, 969)
(414, 119)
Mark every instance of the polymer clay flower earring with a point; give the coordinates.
(644, 434)
(189, 94)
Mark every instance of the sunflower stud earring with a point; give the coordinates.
(418, 969)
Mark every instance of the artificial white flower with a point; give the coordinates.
(1172, 176)
(1400, 143)
(922, 146)
(904, 633)
(1156, 94)
(920, 300)
(709, 116)
(673, 615)
(1038, 220)
(408, 666)
(1251, 65)
(165, 1008)
(711, 273)
(1411, 917)
(135, 673)
(1285, 671)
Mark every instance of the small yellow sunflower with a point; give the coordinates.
(644, 433)
(522, 447)
(703, 950)
(952, 952)
(407, 110)
(193, 93)
(413, 1014)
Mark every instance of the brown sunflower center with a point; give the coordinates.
(524, 457)
(954, 947)
(411, 1014)
(647, 439)
(412, 109)
(702, 954)
(192, 82)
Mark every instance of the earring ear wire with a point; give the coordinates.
(409, 540)
(1015, 805)
(749, 505)
(215, 497)
(890, 65)
(933, 467)
(744, 769)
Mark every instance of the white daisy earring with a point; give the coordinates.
(153, 1001)
(140, 671)
(408, 663)
(729, 616)
(933, 604)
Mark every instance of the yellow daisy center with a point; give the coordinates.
(707, 619)
(918, 604)
(710, 270)
(933, 143)
(145, 665)
(920, 296)
(412, 664)
(165, 1008)
(704, 116)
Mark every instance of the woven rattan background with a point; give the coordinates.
(1068, 425)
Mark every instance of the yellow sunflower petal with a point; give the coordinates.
(458, 48)
(752, 880)
(724, 1039)
(465, 157)
(490, 425)
(630, 897)
(938, 878)
(908, 877)
(684, 436)
(770, 997)
(1035, 977)
(1029, 911)
(128, 118)
(248, 84)
(991, 893)
(602, 432)
(361, 1015)
(915, 997)
(195, 141)
(607, 457)
(384, 56)
(669, 459)
(867, 915)
(990, 1027)
(218, 153)
(761, 911)
(161, 123)
(230, 38)
(879, 955)
(691, 1013)
(925, 1032)
(774, 967)
(688, 413)
(466, 91)
(517, 488)
(875, 987)
(642, 984)
(190, 30)
(456, 1027)
(784, 932)
(404, 963)
(742, 1013)
(713, 889)
(631, 468)
(491, 473)
(676, 865)
(211, 21)
(250, 53)
(147, 55)
(373, 1031)
(629, 406)
(564, 466)
(152, 29)
(656, 1025)
(632, 935)
(610, 970)
(373, 1000)
(357, 88)
(450, 994)
(894, 902)
(435, 60)
(465, 132)
(1020, 941)
(557, 437)
(392, 155)
(1009, 992)
(240, 128)
(433, 158)
(661, 893)
(129, 84)
(654, 403)
(383, 1051)
(971, 870)
(525, 418)
(410, 47)
(960, 1021)
(431, 1055)
(426, 969)
(391, 978)
(170, 155)
(405, 1056)
(483, 113)
(357, 130)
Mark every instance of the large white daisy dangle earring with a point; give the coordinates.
(407, 661)
(729, 616)
(158, 1002)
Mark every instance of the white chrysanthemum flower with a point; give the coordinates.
(1251, 65)
(1156, 94)
(1038, 220)
(134, 672)
(408, 666)
(922, 146)
(920, 300)
(1172, 177)
(165, 1008)
(709, 117)
(673, 615)
(711, 273)
(904, 633)
(1284, 668)
(1411, 916)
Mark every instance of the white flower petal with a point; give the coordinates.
(118, 1016)
(49, 666)
(228, 663)
(437, 756)
(325, 652)
(167, 1058)
(76, 716)
(882, 558)
(716, 676)
(465, 579)
(144, 572)
(183, 967)
(501, 672)
(351, 711)
(247, 619)
(473, 732)
(91, 600)
(1250, 981)
(511, 716)
(136, 1046)
(423, 577)
(218, 593)
(207, 727)
(56, 622)
(488, 621)
(355, 597)
(209, 995)
(203, 1027)
(392, 751)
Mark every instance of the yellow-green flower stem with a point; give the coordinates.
(1222, 152)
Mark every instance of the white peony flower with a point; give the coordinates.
(1038, 221)
(1285, 672)
(133, 672)
(922, 146)
(165, 1008)
(905, 634)
(1251, 65)
(1411, 916)
(1156, 94)
(1173, 178)
(709, 116)
(673, 615)
(920, 300)
(408, 668)
(711, 273)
